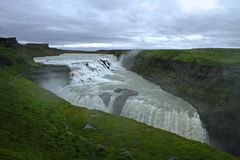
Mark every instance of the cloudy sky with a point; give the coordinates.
(107, 24)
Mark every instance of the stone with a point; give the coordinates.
(173, 158)
(88, 126)
(106, 98)
(120, 101)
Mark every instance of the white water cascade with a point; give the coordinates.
(100, 82)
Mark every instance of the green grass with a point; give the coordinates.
(36, 124)
(203, 56)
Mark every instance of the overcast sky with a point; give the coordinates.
(106, 24)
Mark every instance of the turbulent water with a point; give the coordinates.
(100, 82)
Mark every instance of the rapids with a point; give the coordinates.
(100, 82)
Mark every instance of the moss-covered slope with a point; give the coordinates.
(36, 124)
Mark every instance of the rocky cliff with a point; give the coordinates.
(53, 75)
(25, 53)
(214, 89)
(9, 42)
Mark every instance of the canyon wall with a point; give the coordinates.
(214, 90)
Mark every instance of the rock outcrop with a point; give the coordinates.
(120, 100)
(106, 97)
(9, 42)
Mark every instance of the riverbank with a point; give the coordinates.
(36, 124)
(207, 78)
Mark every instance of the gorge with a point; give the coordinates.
(114, 89)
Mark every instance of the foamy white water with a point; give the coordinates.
(116, 90)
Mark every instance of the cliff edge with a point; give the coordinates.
(207, 78)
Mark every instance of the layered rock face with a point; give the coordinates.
(51, 75)
(213, 90)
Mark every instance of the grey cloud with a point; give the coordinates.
(121, 23)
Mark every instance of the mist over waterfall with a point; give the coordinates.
(101, 82)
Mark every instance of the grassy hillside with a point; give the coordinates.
(202, 56)
(36, 124)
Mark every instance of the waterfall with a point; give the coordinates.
(100, 82)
